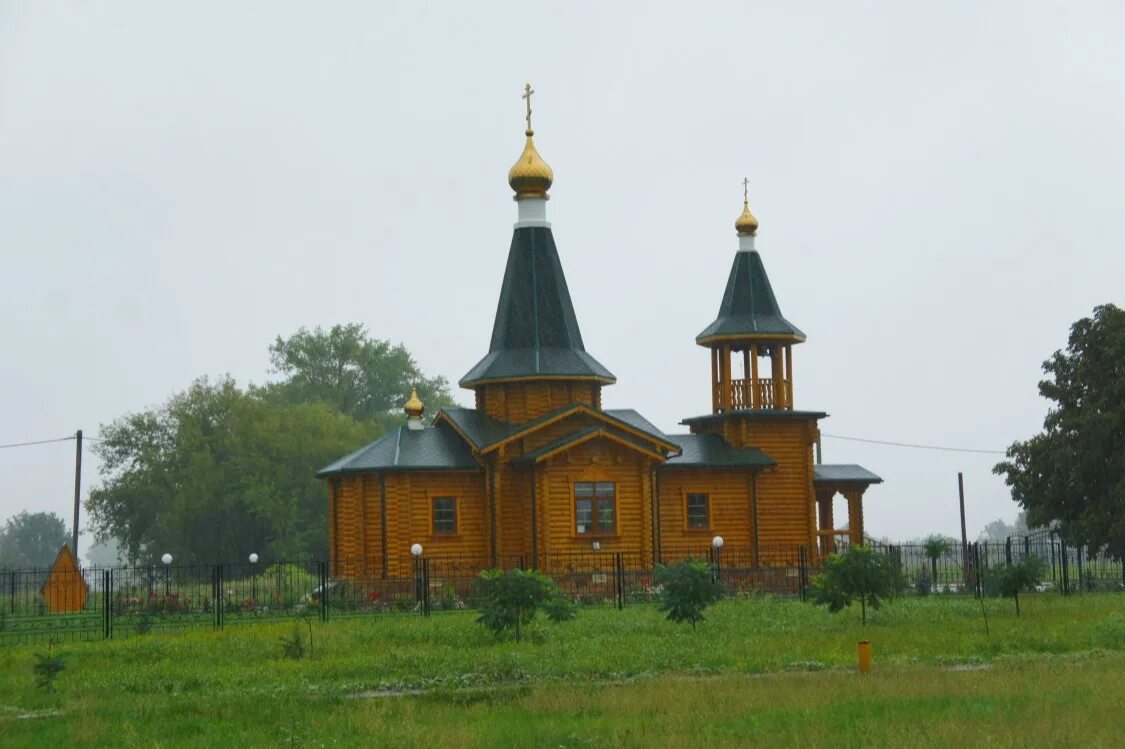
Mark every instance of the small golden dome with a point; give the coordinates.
(746, 225)
(414, 406)
(530, 176)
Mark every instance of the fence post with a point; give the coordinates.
(801, 572)
(1008, 550)
(323, 591)
(1064, 563)
(1081, 577)
(12, 583)
(107, 603)
(426, 586)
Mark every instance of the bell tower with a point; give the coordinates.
(751, 343)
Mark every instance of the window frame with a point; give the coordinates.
(688, 494)
(597, 501)
(434, 532)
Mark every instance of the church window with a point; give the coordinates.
(697, 511)
(445, 515)
(595, 507)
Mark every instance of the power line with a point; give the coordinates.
(916, 447)
(37, 442)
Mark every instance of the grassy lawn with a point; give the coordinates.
(765, 670)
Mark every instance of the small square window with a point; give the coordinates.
(697, 511)
(445, 515)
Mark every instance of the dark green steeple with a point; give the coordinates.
(536, 332)
(749, 306)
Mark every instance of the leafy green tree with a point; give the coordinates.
(1012, 579)
(364, 377)
(1073, 472)
(510, 600)
(857, 575)
(686, 590)
(216, 473)
(936, 547)
(32, 539)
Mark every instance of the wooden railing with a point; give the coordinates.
(741, 395)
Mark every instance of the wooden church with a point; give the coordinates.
(538, 469)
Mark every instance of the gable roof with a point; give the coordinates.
(574, 439)
(66, 566)
(535, 333)
(749, 307)
(844, 474)
(431, 448)
(712, 451)
(486, 433)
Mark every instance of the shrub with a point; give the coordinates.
(510, 600)
(686, 589)
(47, 668)
(293, 645)
(1012, 579)
(859, 574)
(923, 583)
(935, 548)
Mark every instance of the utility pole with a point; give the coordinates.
(964, 535)
(77, 488)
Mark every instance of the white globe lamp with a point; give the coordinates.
(416, 550)
(717, 542)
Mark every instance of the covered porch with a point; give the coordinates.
(851, 481)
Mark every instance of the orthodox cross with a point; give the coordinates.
(745, 182)
(527, 92)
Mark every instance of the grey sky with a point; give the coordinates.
(939, 188)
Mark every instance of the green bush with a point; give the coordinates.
(47, 668)
(686, 589)
(1012, 579)
(858, 575)
(510, 600)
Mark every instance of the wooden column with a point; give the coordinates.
(715, 403)
(755, 391)
(789, 375)
(826, 522)
(855, 515)
(725, 384)
(777, 366)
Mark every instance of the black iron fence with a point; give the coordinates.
(99, 603)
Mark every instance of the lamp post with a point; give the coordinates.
(253, 580)
(420, 581)
(717, 554)
(167, 559)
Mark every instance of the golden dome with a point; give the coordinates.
(414, 406)
(530, 176)
(746, 225)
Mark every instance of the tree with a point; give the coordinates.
(859, 574)
(998, 530)
(216, 473)
(511, 599)
(32, 539)
(364, 377)
(1012, 579)
(936, 547)
(686, 589)
(1073, 472)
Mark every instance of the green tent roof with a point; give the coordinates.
(749, 306)
(536, 332)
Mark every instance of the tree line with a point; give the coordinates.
(220, 471)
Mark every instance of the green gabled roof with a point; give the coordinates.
(749, 306)
(582, 435)
(844, 474)
(431, 448)
(483, 431)
(536, 331)
(712, 451)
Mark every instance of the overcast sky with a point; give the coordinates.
(940, 193)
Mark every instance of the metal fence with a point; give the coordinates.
(101, 603)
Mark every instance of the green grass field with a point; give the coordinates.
(766, 671)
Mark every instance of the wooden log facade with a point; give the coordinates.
(539, 472)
